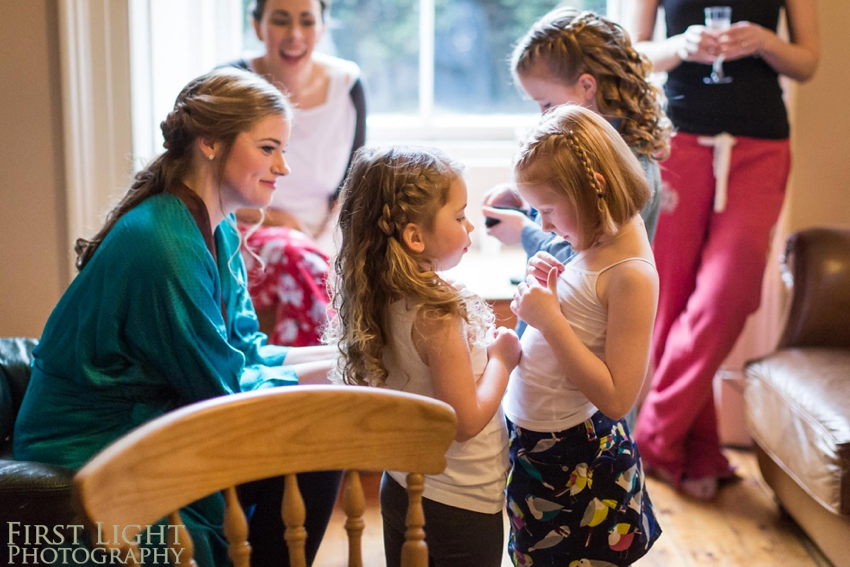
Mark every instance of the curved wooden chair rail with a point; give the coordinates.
(218, 444)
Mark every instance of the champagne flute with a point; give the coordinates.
(718, 18)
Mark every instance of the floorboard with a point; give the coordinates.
(742, 527)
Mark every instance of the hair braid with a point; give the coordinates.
(219, 105)
(570, 43)
(389, 188)
(568, 152)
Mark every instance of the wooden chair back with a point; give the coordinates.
(215, 445)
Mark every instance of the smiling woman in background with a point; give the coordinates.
(329, 125)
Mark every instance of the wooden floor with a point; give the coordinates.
(742, 527)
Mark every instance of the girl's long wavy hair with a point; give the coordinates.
(386, 189)
(570, 43)
(565, 151)
(219, 105)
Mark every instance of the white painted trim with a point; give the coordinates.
(79, 153)
(166, 53)
(94, 52)
(142, 97)
(427, 15)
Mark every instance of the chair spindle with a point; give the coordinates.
(236, 529)
(414, 552)
(354, 504)
(179, 541)
(294, 513)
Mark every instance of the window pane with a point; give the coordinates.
(473, 43)
(382, 36)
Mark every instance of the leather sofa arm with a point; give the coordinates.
(818, 261)
(36, 493)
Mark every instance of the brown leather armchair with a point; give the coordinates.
(798, 397)
(30, 493)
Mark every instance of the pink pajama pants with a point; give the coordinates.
(293, 282)
(710, 267)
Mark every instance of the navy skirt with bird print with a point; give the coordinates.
(577, 498)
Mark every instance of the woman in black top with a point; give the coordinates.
(723, 190)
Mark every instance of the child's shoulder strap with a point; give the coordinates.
(624, 260)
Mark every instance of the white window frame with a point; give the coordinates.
(426, 125)
(110, 76)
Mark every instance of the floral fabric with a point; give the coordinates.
(293, 283)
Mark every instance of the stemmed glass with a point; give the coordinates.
(718, 18)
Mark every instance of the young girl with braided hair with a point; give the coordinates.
(578, 57)
(576, 492)
(401, 325)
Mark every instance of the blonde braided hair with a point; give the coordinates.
(386, 189)
(571, 43)
(567, 151)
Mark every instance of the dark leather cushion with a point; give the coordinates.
(31, 493)
(35, 493)
(15, 360)
(7, 411)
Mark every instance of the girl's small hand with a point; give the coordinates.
(506, 348)
(742, 39)
(699, 44)
(541, 264)
(535, 304)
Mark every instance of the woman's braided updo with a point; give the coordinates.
(566, 151)
(570, 43)
(219, 106)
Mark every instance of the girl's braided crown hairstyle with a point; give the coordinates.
(386, 189)
(565, 151)
(570, 43)
(219, 105)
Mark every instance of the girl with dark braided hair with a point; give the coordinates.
(576, 492)
(160, 317)
(401, 325)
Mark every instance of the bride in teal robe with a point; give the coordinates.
(159, 315)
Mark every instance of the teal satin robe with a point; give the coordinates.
(159, 318)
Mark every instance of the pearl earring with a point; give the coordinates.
(211, 157)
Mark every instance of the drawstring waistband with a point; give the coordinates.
(722, 143)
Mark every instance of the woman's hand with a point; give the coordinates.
(541, 264)
(497, 204)
(503, 195)
(509, 228)
(535, 304)
(699, 45)
(742, 39)
(506, 348)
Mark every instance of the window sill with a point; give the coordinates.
(495, 127)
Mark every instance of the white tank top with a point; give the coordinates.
(540, 396)
(476, 469)
(319, 147)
